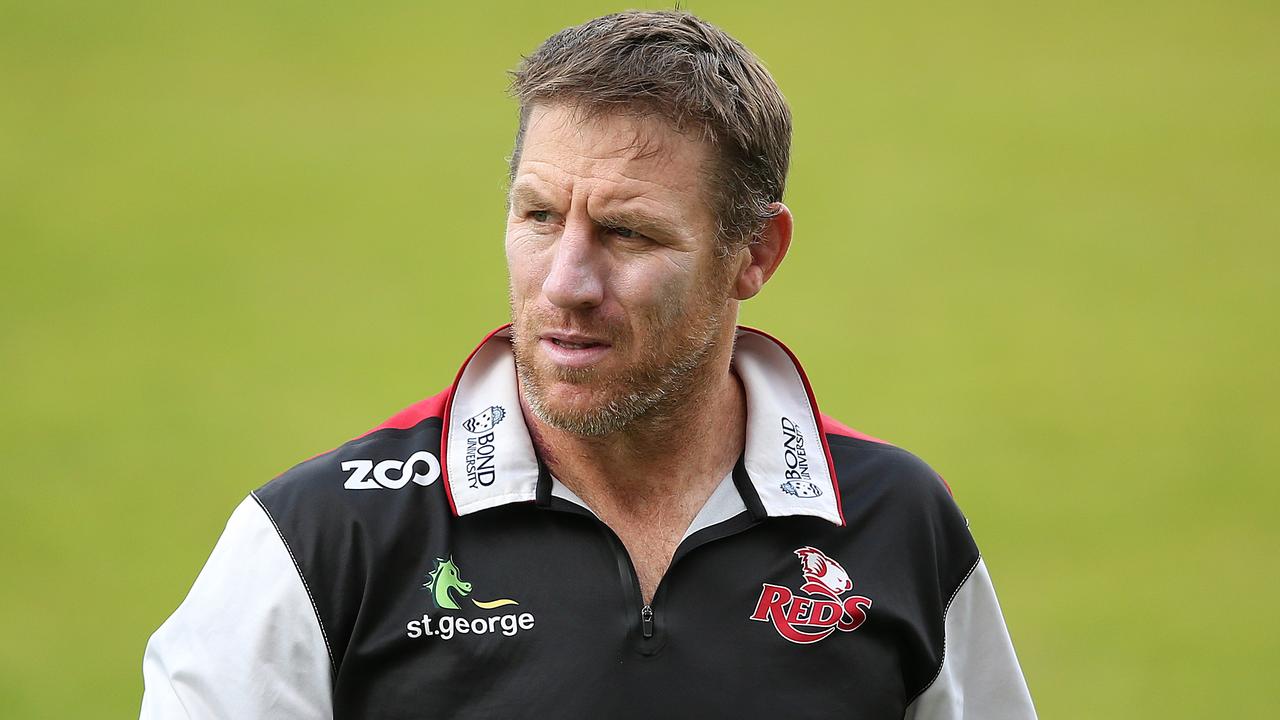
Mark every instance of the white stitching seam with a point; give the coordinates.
(168, 679)
(945, 610)
(333, 664)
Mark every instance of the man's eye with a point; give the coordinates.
(540, 216)
(622, 232)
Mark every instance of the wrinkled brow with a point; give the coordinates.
(639, 221)
(527, 196)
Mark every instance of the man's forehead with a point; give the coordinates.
(630, 144)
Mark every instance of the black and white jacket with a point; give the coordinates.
(433, 568)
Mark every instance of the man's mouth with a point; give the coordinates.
(573, 341)
(575, 345)
(573, 350)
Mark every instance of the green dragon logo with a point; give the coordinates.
(445, 578)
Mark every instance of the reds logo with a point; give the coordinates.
(806, 620)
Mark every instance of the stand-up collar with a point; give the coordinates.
(489, 458)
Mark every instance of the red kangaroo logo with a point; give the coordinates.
(806, 620)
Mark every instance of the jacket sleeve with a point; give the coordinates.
(979, 678)
(247, 642)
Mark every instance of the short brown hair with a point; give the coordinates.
(690, 73)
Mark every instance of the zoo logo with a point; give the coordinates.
(406, 471)
(444, 582)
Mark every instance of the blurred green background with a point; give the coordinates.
(1036, 244)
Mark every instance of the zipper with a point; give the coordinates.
(649, 642)
(627, 571)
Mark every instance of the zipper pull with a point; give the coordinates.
(646, 621)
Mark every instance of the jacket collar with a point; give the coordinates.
(489, 460)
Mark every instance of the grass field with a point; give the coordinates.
(1037, 244)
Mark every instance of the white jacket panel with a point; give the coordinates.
(246, 643)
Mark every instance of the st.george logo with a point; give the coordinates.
(448, 589)
(804, 620)
(446, 584)
(421, 468)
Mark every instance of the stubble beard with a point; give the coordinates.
(659, 383)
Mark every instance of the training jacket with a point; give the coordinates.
(433, 568)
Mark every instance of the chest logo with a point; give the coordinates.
(821, 609)
(445, 583)
(447, 590)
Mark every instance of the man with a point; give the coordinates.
(625, 505)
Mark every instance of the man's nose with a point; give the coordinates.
(576, 278)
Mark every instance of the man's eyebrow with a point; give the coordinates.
(636, 220)
(526, 196)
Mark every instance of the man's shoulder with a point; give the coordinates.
(343, 513)
(870, 469)
(399, 455)
(889, 494)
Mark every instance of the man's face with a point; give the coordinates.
(617, 294)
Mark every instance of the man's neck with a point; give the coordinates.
(649, 481)
(669, 458)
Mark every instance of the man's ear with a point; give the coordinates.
(766, 253)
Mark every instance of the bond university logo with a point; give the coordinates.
(796, 458)
(805, 620)
(801, 488)
(450, 592)
(480, 470)
(485, 419)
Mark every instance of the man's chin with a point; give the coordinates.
(580, 408)
(570, 398)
